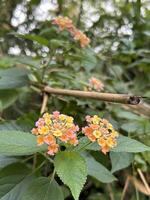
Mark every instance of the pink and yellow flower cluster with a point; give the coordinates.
(54, 128)
(95, 84)
(51, 129)
(101, 131)
(66, 23)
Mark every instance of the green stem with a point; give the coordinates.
(53, 175)
(36, 169)
(49, 159)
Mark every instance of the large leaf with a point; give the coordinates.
(72, 170)
(18, 143)
(13, 78)
(43, 189)
(14, 180)
(98, 171)
(126, 144)
(120, 160)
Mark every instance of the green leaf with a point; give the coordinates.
(89, 60)
(16, 143)
(120, 160)
(13, 78)
(126, 144)
(86, 144)
(131, 127)
(7, 98)
(10, 125)
(35, 38)
(98, 171)
(5, 160)
(14, 180)
(43, 189)
(72, 170)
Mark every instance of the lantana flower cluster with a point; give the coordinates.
(52, 129)
(95, 84)
(101, 131)
(66, 23)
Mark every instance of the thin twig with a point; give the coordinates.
(109, 97)
(110, 191)
(144, 180)
(125, 188)
(44, 103)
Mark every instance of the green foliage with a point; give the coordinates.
(120, 160)
(98, 171)
(16, 143)
(14, 180)
(34, 52)
(126, 144)
(42, 188)
(72, 170)
(13, 78)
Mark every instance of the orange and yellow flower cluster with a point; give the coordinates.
(95, 84)
(52, 128)
(101, 131)
(66, 23)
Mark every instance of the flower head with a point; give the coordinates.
(95, 84)
(101, 131)
(55, 127)
(66, 23)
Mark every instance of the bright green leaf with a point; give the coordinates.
(72, 170)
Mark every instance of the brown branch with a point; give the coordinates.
(109, 97)
(141, 109)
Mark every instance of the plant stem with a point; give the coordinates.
(47, 157)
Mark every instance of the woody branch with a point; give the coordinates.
(108, 97)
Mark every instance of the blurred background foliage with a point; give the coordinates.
(32, 50)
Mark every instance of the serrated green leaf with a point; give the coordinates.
(42, 189)
(16, 143)
(126, 144)
(120, 160)
(72, 170)
(14, 180)
(97, 170)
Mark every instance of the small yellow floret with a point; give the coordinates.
(43, 130)
(95, 119)
(97, 133)
(57, 133)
